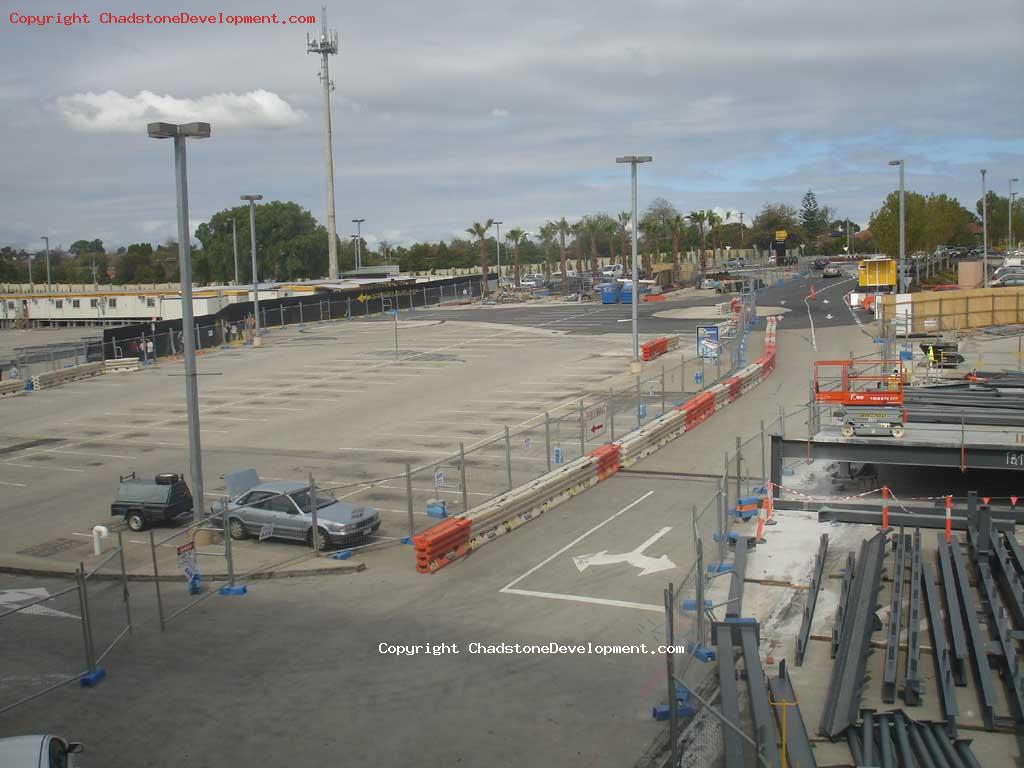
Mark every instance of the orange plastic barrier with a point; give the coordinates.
(608, 460)
(697, 409)
(735, 384)
(653, 349)
(441, 544)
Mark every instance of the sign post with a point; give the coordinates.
(187, 560)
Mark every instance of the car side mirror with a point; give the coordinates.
(75, 747)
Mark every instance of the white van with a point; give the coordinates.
(38, 751)
(612, 270)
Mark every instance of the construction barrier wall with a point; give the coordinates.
(935, 311)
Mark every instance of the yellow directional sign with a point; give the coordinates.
(363, 297)
(781, 235)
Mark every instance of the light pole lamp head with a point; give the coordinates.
(634, 159)
(171, 130)
(251, 198)
(895, 162)
(358, 221)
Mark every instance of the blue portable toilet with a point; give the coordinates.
(609, 293)
(626, 295)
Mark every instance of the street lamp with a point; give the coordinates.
(984, 228)
(634, 160)
(257, 331)
(901, 278)
(359, 244)
(1009, 216)
(179, 133)
(46, 240)
(234, 245)
(497, 244)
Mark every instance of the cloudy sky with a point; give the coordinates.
(450, 111)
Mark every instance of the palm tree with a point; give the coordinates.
(547, 237)
(676, 225)
(699, 219)
(577, 245)
(592, 226)
(563, 228)
(622, 220)
(609, 228)
(714, 220)
(479, 231)
(652, 230)
(516, 237)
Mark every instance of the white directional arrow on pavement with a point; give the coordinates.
(824, 301)
(636, 558)
(828, 317)
(11, 598)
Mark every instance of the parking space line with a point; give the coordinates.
(576, 541)
(394, 450)
(84, 453)
(29, 466)
(19, 485)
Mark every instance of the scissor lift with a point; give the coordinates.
(868, 393)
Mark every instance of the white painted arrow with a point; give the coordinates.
(636, 558)
(824, 301)
(828, 317)
(10, 598)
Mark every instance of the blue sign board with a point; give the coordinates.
(707, 341)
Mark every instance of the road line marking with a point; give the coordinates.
(584, 599)
(576, 541)
(29, 466)
(396, 450)
(20, 485)
(84, 453)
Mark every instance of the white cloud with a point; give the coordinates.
(112, 111)
(499, 112)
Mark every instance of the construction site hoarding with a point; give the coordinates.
(935, 311)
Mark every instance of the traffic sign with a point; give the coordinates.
(187, 559)
(594, 419)
(438, 479)
(781, 235)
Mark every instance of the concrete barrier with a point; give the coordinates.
(121, 365)
(11, 387)
(65, 375)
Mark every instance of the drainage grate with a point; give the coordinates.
(52, 547)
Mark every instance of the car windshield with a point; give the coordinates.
(323, 499)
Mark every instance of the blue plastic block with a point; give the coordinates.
(691, 605)
(237, 589)
(720, 568)
(704, 655)
(437, 509)
(343, 554)
(28, 385)
(744, 516)
(92, 679)
(682, 693)
(643, 410)
(660, 712)
(740, 620)
(195, 585)
(406, 540)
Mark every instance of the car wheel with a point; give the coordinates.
(136, 521)
(897, 432)
(236, 530)
(323, 542)
(847, 431)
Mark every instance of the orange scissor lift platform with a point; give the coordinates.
(868, 393)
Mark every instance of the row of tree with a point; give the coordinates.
(291, 244)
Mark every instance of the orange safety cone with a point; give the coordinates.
(811, 297)
(885, 507)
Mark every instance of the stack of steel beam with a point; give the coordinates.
(894, 740)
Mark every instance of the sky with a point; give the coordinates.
(448, 112)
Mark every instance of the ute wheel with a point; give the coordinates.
(236, 530)
(846, 431)
(136, 521)
(323, 542)
(897, 431)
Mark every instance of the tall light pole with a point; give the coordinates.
(326, 44)
(179, 133)
(984, 228)
(633, 160)
(848, 251)
(359, 242)
(1009, 215)
(255, 272)
(234, 245)
(46, 240)
(901, 278)
(741, 229)
(497, 243)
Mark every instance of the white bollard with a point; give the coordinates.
(98, 532)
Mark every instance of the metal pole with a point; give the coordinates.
(547, 437)
(635, 293)
(408, 497)
(902, 279)
(255, 271)
(90, 659)
(462, 476)
(396, 335)
(314, 532)
(1009, 216)
(670, 663)
(324, 45)
(124, 583)
(739, 467)
(228, 557)
(47, 241)
(984, 228)
(156, 582)
(497, 244)
(583, 431)
(639, 421)
(234, 245)
(187, 322)
(611, 408)
(508, 457)
(663, 390)
(764, 475)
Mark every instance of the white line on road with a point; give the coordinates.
(29, 466)
(19, 485)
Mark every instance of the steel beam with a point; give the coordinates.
(798, 744)
(867, 737)
(1009, 578)
(945, 746)
(958, 634)
(912, 675)
(894, 624)
(901, 519)
(885, 742)
(935, 755)
(734, 608)
(760, 707)
(844, 596)
(1016, 552)
(892, 451)
(997, 623)
(734, 745)
(904, 753)
(812, 599)
(842, 701)
(979, 648)
(961, 508)
(940, 652)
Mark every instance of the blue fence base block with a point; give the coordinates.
(438, 509)
(720, 568)
(236, 589)
(703, 654)
(660, 712)
(744, 516)
(760, 491)
(92, 679)
(740, 620)
(195, 585)
(343, 554)
(405, 540)
(691, 605)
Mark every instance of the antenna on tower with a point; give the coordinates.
(325, 43)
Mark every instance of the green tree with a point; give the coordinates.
(700, 219)
(564, 228)
(479, 231)
(516, 237)
(622, 220)
(772, 218)
(577, 230)
(885, 224)
(548, 232)
(812, 220)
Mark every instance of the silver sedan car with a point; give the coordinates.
(281, 510)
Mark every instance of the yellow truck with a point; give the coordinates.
(877, 274)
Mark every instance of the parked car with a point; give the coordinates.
(1008, 281)
(832, 270)
(820, 263)
(612, 270)
(143, 502)
(1003, 271)
(708, 285)
(535, 280)
(735, 263)
(284, 506)
(39, 750)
